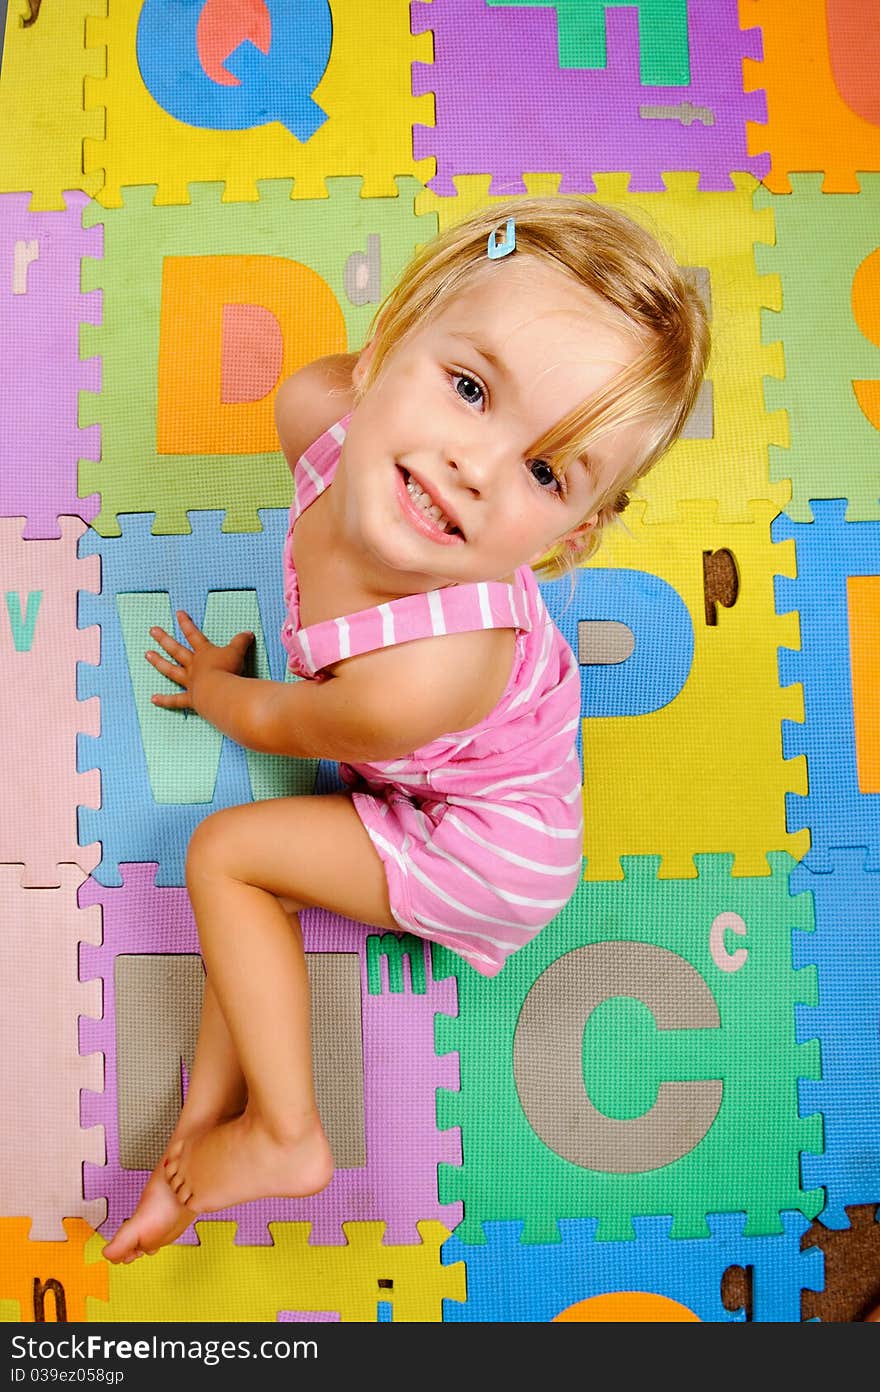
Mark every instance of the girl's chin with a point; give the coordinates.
(413, 570)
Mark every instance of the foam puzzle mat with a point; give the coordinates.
(667, 1106)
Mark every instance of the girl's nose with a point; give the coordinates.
(476, 463)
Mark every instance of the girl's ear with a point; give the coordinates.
(365, 357)
(576, 535)
(359, 371)
(573, 537)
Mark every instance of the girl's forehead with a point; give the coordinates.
(538, 324)
(528, 296)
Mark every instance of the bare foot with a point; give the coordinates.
(239, 1160)
(157, 1220)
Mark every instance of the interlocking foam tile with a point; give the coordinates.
(396, 1182)
(829, 326)
(820, 77)
(319, 92)
(41, 101)
(39, 328)
(713, 751)
(225, 1282)
(49, 1281)
(251, 292)
(509, 1280)
(847, 957)
(663, 35)
(852, 1267)
(526, 113)
(39, 713)
(713, 233)
(636, 1056)
(842, 807)
(160, 776)
(43, 1147)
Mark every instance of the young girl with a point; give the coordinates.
(532, 363)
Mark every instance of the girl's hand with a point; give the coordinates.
(192, 664)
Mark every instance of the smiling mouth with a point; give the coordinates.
(425, 514)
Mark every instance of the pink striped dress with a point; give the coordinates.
(480, 831)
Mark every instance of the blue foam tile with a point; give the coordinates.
(163, 771)
(829, 551)
(512, 1281)
(845, 949)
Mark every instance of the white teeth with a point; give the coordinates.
(423, 500)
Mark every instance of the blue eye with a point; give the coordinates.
(468, 388)
(543, 474)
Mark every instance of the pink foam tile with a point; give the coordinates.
(42, 1144)
(40, 716)
(398, 1184)
(41, 309)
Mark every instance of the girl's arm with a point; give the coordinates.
(381, 705)
(311, 400)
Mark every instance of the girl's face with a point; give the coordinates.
(453, 414)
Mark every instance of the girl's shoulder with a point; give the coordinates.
(311, 400)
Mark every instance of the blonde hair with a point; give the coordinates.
(616, 258)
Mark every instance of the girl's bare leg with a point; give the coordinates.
(216, 1091)
(242, 863)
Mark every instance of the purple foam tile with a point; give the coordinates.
(398, 1184)
(504, 107)
(41, 309)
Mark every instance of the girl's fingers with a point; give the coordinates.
(178, 702)
(194, 635)
(171, 645)
(168, 669)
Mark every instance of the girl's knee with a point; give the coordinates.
(210, 845)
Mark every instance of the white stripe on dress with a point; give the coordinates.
(435, 610)
(306, 650)
(515, 782)
(522, 780)
(387, 623)
(344, 636)
(475, 913)
(501, 853)
(506, 896)
(540, 670)
(485, 606)
(444, 928)
(414, 775)
(516, 815)
(444, 936)
(316, 479)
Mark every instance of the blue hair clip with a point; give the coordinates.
(502, 245)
